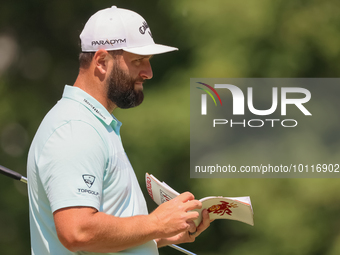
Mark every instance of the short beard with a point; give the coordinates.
(121, 89)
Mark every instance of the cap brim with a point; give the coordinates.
(150, 49)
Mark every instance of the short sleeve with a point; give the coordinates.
(71, 166)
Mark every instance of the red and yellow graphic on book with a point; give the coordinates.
(221, 209)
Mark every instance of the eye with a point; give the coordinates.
(141, 60)
(138, 61)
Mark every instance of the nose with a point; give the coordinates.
(146, 72)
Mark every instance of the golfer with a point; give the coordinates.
(84, 197)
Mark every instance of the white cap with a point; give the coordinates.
(115, 28)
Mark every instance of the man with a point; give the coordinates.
(84, 197)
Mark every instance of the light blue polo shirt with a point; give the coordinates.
(77, 159)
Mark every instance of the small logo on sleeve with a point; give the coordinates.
(89, 179)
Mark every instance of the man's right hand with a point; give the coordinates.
(173, 217)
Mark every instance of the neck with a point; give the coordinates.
(95, 87)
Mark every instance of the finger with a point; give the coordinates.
(193, 235)
(192, 227)
(205, 223)
(192, 205)
(191, 215)
(192, 231)
(186, 196)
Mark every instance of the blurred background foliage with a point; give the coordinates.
(39, 49)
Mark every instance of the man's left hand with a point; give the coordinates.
(190, 235)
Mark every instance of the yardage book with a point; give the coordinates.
(231, 208)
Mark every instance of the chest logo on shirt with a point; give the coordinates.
(89, 179)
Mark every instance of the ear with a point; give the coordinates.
(101, 60)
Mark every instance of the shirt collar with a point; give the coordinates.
(93, 105)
